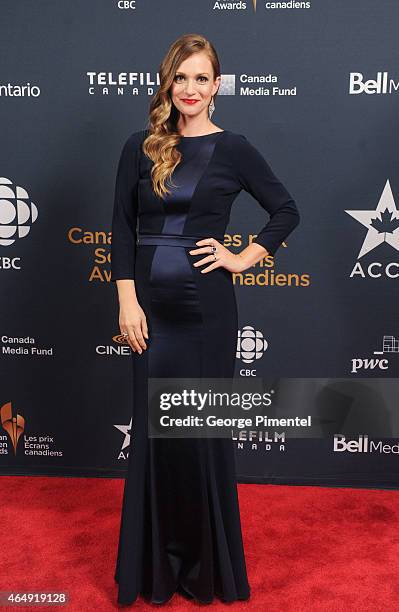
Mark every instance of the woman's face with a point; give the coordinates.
(193, 85)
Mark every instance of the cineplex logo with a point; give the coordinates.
(363, 445)
(382, 225)
(120, 348)
(381, 85)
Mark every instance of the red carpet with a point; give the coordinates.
(307, 548)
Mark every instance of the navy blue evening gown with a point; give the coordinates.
(180, 525)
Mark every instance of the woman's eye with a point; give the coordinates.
(179, 76)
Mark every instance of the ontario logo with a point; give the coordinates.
(382, 225)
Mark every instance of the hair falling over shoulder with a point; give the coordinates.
(160, 144)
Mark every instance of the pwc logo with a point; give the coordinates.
(379, 363)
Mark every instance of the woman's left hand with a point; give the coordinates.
(224, 257)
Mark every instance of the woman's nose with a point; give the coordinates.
(190, 87)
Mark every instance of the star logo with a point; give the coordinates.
(382, 223)
(125, 429)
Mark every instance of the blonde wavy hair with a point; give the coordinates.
(160, 144)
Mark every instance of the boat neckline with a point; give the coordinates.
(204, 135)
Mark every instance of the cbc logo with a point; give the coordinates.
(251, 346)
(8, 263)
(17, 214)
(127, 4)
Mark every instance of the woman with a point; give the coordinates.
(180, 526)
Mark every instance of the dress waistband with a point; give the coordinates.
(169, 239)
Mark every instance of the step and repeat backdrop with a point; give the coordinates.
(314, 86)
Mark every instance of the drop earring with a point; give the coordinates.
(211, 108)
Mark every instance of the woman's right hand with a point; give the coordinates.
(132, 320)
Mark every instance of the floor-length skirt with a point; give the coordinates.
(180, 526)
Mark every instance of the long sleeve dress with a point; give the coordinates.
(180, 526)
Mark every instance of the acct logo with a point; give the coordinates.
(381, 85)
(126, 430)
(390, 346)
(363, 445)
(17, 212)
(382, 225)
(251, 345)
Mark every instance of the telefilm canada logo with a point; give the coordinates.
(363, 445)
(17, 215)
